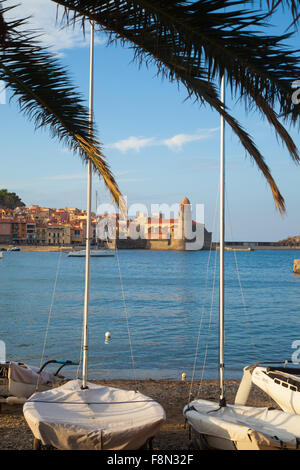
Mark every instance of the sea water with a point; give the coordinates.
(160, 307)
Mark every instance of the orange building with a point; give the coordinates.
(19, 231)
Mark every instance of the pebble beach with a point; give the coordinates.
(172, 395)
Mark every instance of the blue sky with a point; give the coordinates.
(159, 146)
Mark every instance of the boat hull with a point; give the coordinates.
(20, 381)
(93, 254)
(282, 387)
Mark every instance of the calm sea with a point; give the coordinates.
(171, 310)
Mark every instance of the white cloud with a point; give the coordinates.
(173, 143)
(132, 143)
(177, 141)
(43, 19)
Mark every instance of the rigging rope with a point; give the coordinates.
(127, 317)
(240, 285)
(49, 315)
(81, 353)
(209, 326)
(203, 307)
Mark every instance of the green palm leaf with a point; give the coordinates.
(206, 36)
(292, 5)
(195, 43)
(46, 96)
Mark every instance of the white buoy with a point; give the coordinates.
(107, 337)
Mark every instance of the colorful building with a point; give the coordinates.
(58, 235)
(5, 231)
(35, 225)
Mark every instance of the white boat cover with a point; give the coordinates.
(260, 426)
(24, 380)
(29, 374)
(20, 380)
(98, 418)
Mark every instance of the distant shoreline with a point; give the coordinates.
(38, 248)
(264, 247)
(241, 248)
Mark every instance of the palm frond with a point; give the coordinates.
(292, 5)
(195, 43)
(47, 97)
(208, 93)
(213, 36)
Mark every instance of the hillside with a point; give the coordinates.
(9, 200)
(290, 241)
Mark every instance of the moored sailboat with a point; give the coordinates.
(218, 425)
(93, 253)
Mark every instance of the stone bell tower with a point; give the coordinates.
(185, 219)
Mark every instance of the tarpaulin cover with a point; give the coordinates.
(273, 428)
(29, 374)
(99, 417)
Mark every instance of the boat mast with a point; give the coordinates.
(88, 223)
(222, 243)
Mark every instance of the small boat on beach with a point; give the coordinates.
(18, 381)
(281, 382)
(221, 426)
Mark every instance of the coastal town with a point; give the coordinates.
(50, 227)
(35, 225)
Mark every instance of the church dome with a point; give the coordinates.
(185, 201)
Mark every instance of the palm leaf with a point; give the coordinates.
(195, 43)
(206, 34)
(292, 5)
(46, 96)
